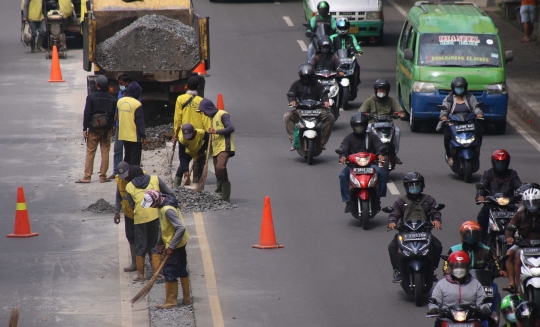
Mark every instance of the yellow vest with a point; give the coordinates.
(167, 229)
(127, 130)
(66, 7)
(35, 12)
(193, 146)
(143, 215)
(190, 114)
(126, 208)
(219, 142)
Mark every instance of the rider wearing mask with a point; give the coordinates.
(308, 88)
(458, 287)
(527, 314)
(527, 222)
(382, 104)
(498, 179)
(414, 184)
(323, 17)
(508, 309)
(458, 100)
(360, 141)
(325, 59)
(342, 40)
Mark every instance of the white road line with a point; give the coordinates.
(392, 188)
(524, 133)
(302, 45)
(398, 7)
(288, 21)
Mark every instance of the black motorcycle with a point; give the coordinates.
(349, 82)
(463, 315)
(383, 127)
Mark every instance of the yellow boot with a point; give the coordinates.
(171, 296)
(140, 269)
(156, 261)
(186, 294)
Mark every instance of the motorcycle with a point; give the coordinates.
(416, 263)
(530, 268)
(383, 127)
(463, 315)
(363, 186)
(322, 29)
(309, 128)
(329, 80)
(351, 69)
(464, 146)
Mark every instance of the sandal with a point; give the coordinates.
(293, 148)
(511, 289)
(83, 181)
(525, 39)
(450, 162)
(323, 146)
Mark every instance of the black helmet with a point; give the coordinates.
(459, 82)
(306, 71)
(359, 123)
(323, 8)
(324, 41)
(342, 26)
(413, 178)
(381, 82)
(103, 82)
(527, 314)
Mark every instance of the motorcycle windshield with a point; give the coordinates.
(462, 116)
(342, 53)
(485, 277)
(323, 29)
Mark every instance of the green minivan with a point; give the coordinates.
(440, 41)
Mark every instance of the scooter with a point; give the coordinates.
(322, 29)
(329, 80)
(363, 186)
(351, 69)
(383, 127)
(460, 316)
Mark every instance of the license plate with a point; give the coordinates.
(502, 214)
(363, 171)
(415, 237)
(531, 251)
(489, 291)
(460, 325)
(353, 30)
(465, 128)
(310, 112)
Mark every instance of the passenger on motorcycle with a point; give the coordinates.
(508, 309)
(528, 224)
(323, 17)
(459, 287)
(307, 87)
(381, 103)
(342, 40)
(414, 185)
(498, 179)
(528, 314)
(458, 100)
(360, 141)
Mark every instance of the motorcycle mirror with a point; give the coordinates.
(479, 104)
(441, 107)
(340, 152)
(444, 257)
(480, 186)
(326, 91)
(387, 209)
(440, 206)
(511, 228)
(291, 94)
(306, 24)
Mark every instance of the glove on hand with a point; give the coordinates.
(433, 311)
(308, 34)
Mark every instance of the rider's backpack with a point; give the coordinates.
(414, 209)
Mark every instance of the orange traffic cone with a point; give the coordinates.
(220, 104)
(22, 223)
(201, 69)
(56, 73)
(268, 237)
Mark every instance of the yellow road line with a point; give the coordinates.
(125, 284)
(211, 285)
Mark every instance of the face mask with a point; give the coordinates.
(122, 87)
(325, 50)
(460, 90)
(459, 272)
(359, 129)
(415, 189)
(381, 95)
(511, 317)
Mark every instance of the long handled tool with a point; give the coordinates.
(202, 180)
(174, 145)
(146, 289)
(185, 179)
(14, 317)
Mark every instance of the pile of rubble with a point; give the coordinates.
(200, 201)
(158, 135)
(101, 206)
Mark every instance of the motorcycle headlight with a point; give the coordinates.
(333, 91)
(310, 124)
(496, 89)
(460, 315)
(422, 87)
(353, 180)
(373, 181)
(362, 161)
(465, 142)
(503, 201)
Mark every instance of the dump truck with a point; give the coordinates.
(158, 43)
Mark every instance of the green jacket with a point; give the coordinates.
(345, 42)
(313, 23)
(377, 107)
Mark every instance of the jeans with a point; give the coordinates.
(382, 175)
(38, 28)
(310, 51)
(118, 149)
(291, 118)
(528, 13)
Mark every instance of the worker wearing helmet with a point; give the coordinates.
(343, 40)
(528, 314)
(509, 305)
(323, 16)
(458, 287)
(526, 222)
(498, 179)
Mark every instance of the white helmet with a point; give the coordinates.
(531, 199)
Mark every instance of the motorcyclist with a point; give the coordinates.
(458, 100)
(527, 223)
(325, 59)
(498, 179)
(414, 184)
(307, 87)
(342, 40)
(381, 103)
(508, 309)
(458, 287)
(360, 141)
(323, 17)
(527, 314)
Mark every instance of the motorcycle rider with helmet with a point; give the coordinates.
(307, 87)
(360, 141)
(508, 308)
(323, 17)
(381, 103)
(414, 184)
(458, 100)
(528, 314)
(342, 40)
(325, 59)
(498, 179)
(527, 221)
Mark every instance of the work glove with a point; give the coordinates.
(433, 311)
(486, 311)
(308, 33)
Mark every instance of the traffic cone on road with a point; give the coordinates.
(268, 237)
(22, 223)
(220, 104)
(201, 69)
(56, 73)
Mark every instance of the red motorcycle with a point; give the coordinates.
(363, 186)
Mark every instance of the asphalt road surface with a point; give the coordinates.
(330, 273)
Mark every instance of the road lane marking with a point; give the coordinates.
(398, 7)
(125, 284)
(302, 45)
(524, 133)
(211, 285)
(288, 21)
(392, 188)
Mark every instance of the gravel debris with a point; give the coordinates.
(200, 201)
(101, 206)
(152, 42)
(158, 135)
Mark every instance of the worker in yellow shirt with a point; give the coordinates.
(192, 145)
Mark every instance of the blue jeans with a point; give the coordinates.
(118, 149)
(38, 28)
(382, 175)
(310, 51)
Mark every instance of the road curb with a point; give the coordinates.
(526, 107)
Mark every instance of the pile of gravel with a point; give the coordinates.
(200, 201)
(152, 42)
(158, 135)
(101, 206)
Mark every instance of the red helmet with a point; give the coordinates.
(500, 160)
(459, 264)
(470, 232)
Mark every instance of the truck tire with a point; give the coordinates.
(500, 127)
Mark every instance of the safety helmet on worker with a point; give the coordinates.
(470, 232)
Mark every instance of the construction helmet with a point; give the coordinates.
(459, 264)
(470, 232)
(500, 160)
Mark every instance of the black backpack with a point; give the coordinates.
(414, 209)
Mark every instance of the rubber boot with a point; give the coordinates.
(33, 45)
(226, 192)
(39, 44)
(219, 187)
(156, 261)
(133, 266)
(177, 181)
(171, 296)
(186, 294)
(140, 270)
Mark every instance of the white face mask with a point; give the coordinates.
(459, 272)
(381, 95)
